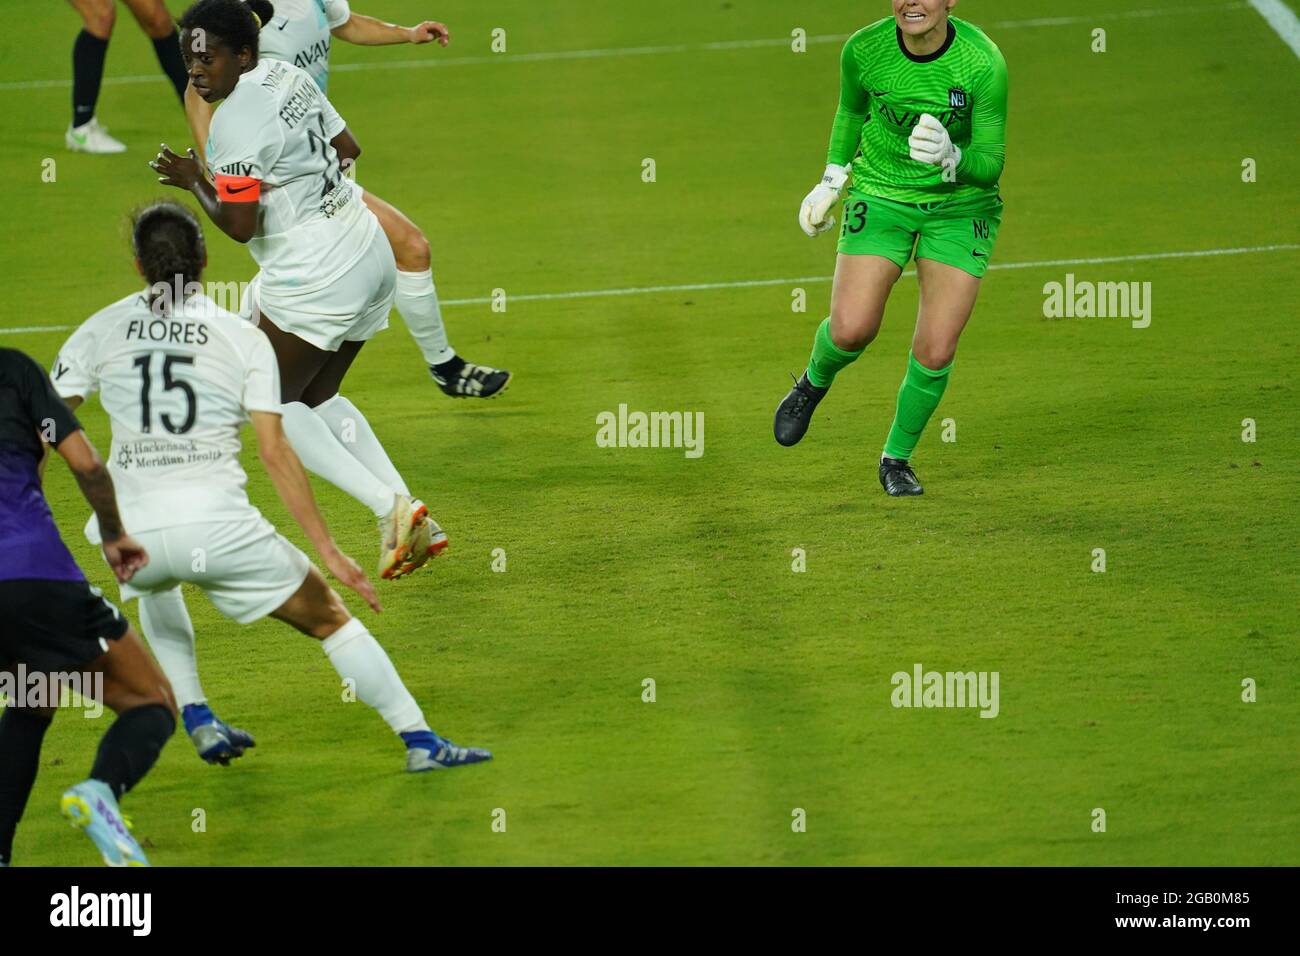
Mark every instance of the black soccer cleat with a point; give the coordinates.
(468, 380)
(795, 411)
(898, 479)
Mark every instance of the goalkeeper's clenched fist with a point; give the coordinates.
(813, 214)
(931, 144)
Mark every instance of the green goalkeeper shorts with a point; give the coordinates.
(959, 233)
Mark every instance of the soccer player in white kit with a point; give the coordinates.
(299, 32)
(327, 275)
(178, 377)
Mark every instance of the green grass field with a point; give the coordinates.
(1119, 690)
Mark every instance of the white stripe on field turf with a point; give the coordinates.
(1282, 19)
(432, 62)
(757, 283)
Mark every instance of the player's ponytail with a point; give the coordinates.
(168, 243)
(262, 9)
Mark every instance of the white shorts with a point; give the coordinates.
(246, 568)
(352, 308)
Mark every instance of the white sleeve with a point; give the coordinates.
(337, 13)
(261, 373)
(75, 371)
(245, 145)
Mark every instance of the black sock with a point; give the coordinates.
(87, 70)
(130, 747)
(449, 369)
(21, 733)
(168, 51)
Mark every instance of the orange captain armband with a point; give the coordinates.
(238, 188)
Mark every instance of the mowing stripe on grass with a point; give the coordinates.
(757, 283)
(543, 56)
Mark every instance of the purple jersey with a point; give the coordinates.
(30, 412)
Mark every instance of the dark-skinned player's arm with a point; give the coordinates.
(291, 483)
(347, 147)
(231, 204)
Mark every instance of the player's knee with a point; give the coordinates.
(157, 23)
(413, 253)
(99, 19)
(333, 615)
(165, 699)
(934, 355)
(851, 333)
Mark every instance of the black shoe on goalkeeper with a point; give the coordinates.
(795, 411)
(898, 479)
(461, 379)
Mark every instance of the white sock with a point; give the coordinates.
(349, 426)
(358, 658)
(417, 301)
(323, 455)
(167, 627)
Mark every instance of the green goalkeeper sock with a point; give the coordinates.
(918, 397)
(827, 358)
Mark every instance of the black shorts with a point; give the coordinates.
(55, 626)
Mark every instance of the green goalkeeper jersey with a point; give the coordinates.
(884, 89)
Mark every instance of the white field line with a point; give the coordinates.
(757, 283)
(432, 62)
(1282, 19)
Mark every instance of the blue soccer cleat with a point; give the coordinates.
(214, 739)
(425, 750)
(91, 808)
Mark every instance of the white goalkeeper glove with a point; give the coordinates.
(930, 143)
(813, 218)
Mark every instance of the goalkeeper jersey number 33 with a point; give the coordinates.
(884, 89)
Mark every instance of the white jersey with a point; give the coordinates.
(177, 388)
(299, 33)
(269, 142)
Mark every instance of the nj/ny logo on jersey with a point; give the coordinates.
(957, 98)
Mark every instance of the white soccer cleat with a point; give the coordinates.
(91, 808)
(92, 138)
(397, 533)
(428, 541)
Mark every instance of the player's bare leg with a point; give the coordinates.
(316, 610)
(321, 423)
(947, 299)
(137, 691)
(85, 134)
(409, 530)
(858, 296)
(417, 301)
(167, 627)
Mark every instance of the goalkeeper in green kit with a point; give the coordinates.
(921, 127)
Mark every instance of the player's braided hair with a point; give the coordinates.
(168, 241)
(234, 22)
